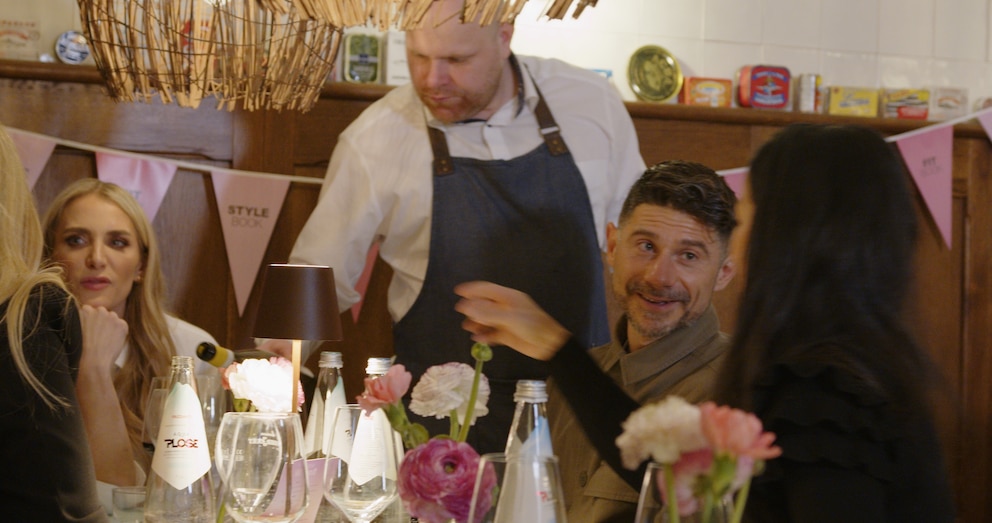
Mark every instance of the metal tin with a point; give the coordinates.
(362, 59)
(711, 92)
(71, 48)
(764, 87)
(948, 102)
(909, 104)
(654, 74)
(808, 94)
(853, 101)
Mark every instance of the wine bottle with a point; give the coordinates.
(179, 483)
(220, 357)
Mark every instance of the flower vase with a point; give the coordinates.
(653, 508)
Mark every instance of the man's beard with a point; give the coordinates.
(650, 325)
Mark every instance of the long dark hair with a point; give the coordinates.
(830, 261)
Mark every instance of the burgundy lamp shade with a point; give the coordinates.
(298, 302)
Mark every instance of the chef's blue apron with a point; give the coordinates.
(525, 223)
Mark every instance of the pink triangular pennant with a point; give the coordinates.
(928, 156)
(735, 178)
(249, 208)
(34, 151)
(147, 180)
(363, 280)
(985, 118)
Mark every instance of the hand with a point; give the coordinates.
(499, 315)
(104, 337)
(283, 348)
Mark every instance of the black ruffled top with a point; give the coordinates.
(848, 454)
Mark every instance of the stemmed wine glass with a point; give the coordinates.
(361, 469)
(157, 392)
(259, 457)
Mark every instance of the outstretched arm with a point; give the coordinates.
(502, 316)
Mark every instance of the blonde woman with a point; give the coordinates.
(102, 238)
(45, 452)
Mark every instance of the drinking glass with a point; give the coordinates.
(259, 457)
(213, 400)
(129, 504)
(651, 507)
(517, 488)
(157, 392)
(361, 469)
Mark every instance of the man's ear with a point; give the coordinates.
(726, 273)
(612, 237)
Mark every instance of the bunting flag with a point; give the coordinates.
(927, 153)
(248, 208)
(363, 281)
(735, 178)
(34, 151)
(146, 180)
(985, 118)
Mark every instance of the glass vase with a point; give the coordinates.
(651, 506)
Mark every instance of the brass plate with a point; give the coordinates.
(654, 74)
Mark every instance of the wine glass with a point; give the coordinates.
(152, 418)
(651, 506)
(259, 457)
(517, 488)
(213, 401)
(361, 469)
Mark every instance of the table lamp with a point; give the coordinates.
(298, 302)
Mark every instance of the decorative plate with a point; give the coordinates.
(654, 74)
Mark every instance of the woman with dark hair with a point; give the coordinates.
(822, 353)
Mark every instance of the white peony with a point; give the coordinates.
(268, 385)
(662, 430)
(445, 388)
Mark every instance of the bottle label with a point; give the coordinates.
(369, 453)
(182, 454)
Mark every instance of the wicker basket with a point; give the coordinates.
(237, 51)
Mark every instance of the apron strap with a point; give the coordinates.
(549, 128)
(442, 158)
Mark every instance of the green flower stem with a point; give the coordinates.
(455, 429)
(673, 504)
(470, 411)
(740, 501)
(707, 515)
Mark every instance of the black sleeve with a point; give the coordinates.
(599, 404)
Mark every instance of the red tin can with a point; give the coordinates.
(764, 87)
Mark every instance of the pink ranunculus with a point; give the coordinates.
(384, 390)
(689, 467)
(736, 432)
(436, 480)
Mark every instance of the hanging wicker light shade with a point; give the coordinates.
(253, 54)
(233, 50)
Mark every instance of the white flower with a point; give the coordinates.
(444, 388)
(662, 430)
(268, 385)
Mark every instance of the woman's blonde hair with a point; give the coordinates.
(150, 347)
(21, 271)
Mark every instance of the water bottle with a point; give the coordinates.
(530, 434)
(394, 513)
(179, 483)
(328, 396)
(530, 491)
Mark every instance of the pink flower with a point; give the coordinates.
(687, 470)
(385, 390)
(436, 480)
(736, 432)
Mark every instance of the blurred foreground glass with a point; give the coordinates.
(129, 504)
(651, 507)
(361, 469)
(528, 488)
(157, 392)
(259, 457)
(213, 399)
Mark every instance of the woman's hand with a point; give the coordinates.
(104, 337)
(500, 315)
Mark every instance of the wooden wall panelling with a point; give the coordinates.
(975, 470)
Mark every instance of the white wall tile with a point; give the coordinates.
(849, 25)
(797, 59)
(722, 60)
(791, 22)
(849, 69)
(905, 27)
(676, 18)
(899, 72)
(959, 29)
(732, 21)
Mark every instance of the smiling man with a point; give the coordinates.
(667, 256)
